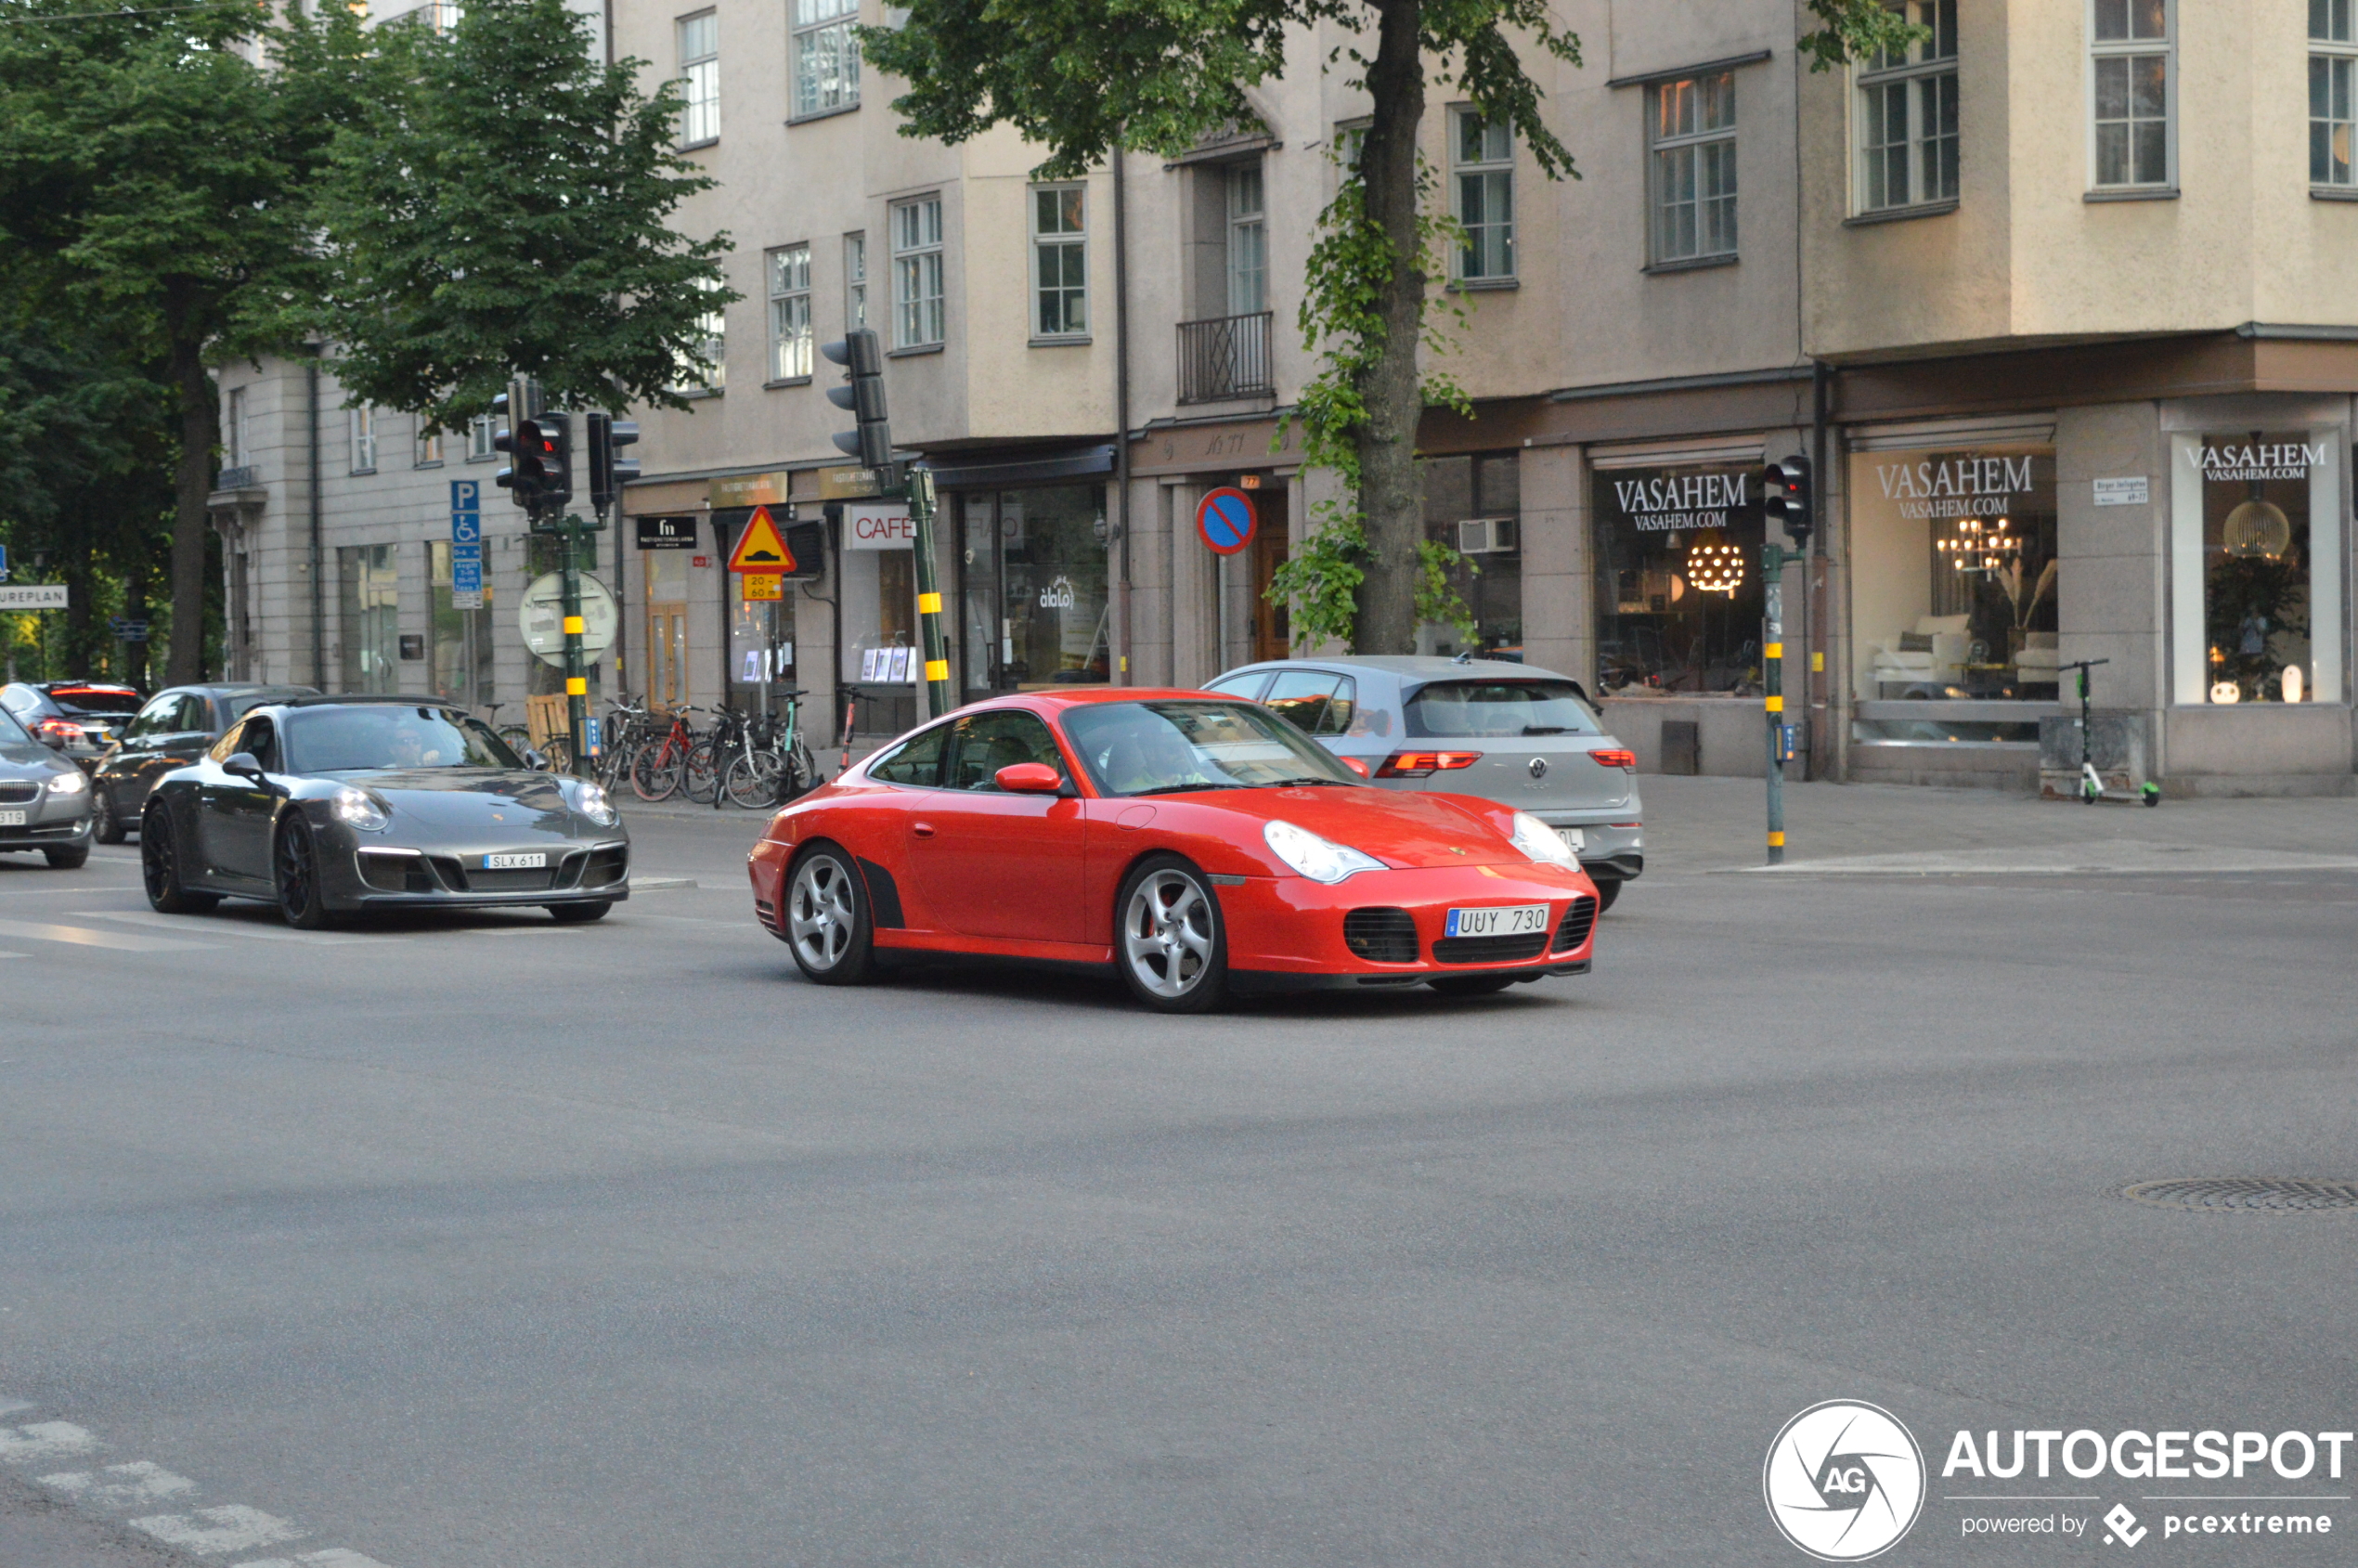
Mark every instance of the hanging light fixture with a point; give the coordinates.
(2256, 530)
(1714, 565)
(1980, 547)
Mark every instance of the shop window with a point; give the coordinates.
(1907, 116)
(1677, 563)
(1955, 576)
(1033, 584)
(2255, 538)
(2333, 95)
(2131, 78)
(826, 56)
(1692, 168)
(699, 79)
(1474, 505)
(1482, 151)
(459, 649)
(369, 594)
(789, 274)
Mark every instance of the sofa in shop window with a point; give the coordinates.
(1931, 655)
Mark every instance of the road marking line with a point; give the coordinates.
(218, 926)
(231, 1527)
(10, 1407)
(334, 1557)
(45, 1440)
(660, 883)
(140, 1482)
(82, 936)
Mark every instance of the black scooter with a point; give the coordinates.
(2091, 786)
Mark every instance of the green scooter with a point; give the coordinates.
(2091, 786)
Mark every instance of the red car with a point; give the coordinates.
(1199, 845)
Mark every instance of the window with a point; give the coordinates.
(1694, 168)
(233, 430)
(987, 741)
(713, 326)
(479, 439)
(1350, 139)
(699, 79)
(1059, 261)
(1319, 702)
(1487, 491)
(916, 273)
(1482, 153)
(2257, 575)
(1679, 598)
(1248, 243)
(429, 445)
(2131, 75)
(1908, 116)
(459, 647)
(368, 586)
(826, 56)
(364, 439)
(2332, 61)
(855, 281)
(914, 761)
(790, 313)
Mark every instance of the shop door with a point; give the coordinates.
(667, 655)
(1271, 634)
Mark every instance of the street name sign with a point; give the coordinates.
(33, 596)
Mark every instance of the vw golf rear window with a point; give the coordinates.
(1493, 709)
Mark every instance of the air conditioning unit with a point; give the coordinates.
(1486, 536)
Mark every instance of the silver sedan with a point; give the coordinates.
(1510, 733)
(45, 799)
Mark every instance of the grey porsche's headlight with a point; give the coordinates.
(591, 800)
(68, 783)
(357, 808)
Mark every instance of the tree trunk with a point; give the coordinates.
(192, 482)
(1390, 496)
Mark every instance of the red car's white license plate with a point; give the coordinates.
(1507, 920)
(535, 860)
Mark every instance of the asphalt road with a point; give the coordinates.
(495, 1244)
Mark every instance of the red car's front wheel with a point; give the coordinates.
(1171, 946)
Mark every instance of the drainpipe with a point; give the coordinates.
(319, 605)
(1122, 402)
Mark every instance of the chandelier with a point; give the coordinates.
(1980, 547)
(1714, 565)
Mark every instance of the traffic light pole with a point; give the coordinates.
(1773, 662)
(921, 512)
(569, 530)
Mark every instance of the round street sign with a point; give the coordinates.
(1227, 519)
(542, 617)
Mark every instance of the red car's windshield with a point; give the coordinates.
(1163, 747)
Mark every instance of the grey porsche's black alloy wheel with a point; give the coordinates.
(827, 922)
(159, 868)
(1168, 943)
(295, 868)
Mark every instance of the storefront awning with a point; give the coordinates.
(1041, 470)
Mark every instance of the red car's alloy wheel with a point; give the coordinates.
(1170, 941)
(827, 920)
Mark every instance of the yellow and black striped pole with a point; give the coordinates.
(1772, 669)
(921, 508)
(576, 667)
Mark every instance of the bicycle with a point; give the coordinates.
(769, 771)
(629, 729)
(659, 769)
(518, 736)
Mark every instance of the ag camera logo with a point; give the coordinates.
(1844, 1481)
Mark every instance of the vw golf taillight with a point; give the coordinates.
(1609, 757)
(1418, 764)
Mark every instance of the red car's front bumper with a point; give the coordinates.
(1290, 933)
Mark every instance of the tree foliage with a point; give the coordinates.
(503, 205)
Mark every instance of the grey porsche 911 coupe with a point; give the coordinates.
(329, 806)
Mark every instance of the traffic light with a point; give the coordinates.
(519, 478)
(606, 435)
(555, 455)
(863, 360)
(1785, 496)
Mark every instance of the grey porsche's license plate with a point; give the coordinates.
(12, 819)
(1507, 920)
(535, 860)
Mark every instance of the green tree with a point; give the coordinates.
(1085, 77)
(155, 178)
(503, 205)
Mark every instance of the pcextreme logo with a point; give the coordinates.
(1844, 1481)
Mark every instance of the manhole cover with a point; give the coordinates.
(2254, 1195)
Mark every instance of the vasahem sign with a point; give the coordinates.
(877, 526)
(1681, 500)
(2260, 460)
(1959, 488)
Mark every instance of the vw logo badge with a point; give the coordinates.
(1538, 766)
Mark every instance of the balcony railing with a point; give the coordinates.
(245, 477)
(1226, 357)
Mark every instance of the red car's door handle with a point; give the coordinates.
(922, 830)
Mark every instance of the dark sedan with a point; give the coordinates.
(327, 806)
(175, 728)
(44, 800)
(79, 718)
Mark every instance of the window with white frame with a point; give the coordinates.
(2131, 72)
(479, 433)
(1059, 260)
(1693, 167)
(916, 273)
(699, 79)
(855, 281)
(1248, 241)
(789, 274)
(2333, 86)
(429, 445)
(1351, 140)
(1908, 116)
(364, 439)
(233, 430)
(826, 56)
(712, 329)
(1482, 154)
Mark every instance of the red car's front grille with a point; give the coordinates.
(1489, 950)
(1575, 926)
(1381, 936)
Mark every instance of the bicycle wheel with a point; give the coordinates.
(801, 773)
(518, 738)
(655, 774)
(752, 780)
(701, 773)
(559, 751)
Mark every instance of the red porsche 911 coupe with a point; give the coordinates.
(1201, 846)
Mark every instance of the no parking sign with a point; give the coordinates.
(1226, 521)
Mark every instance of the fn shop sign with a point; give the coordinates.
(666, 533)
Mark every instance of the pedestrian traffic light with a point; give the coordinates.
(871, 441)
(1785, 496)
(606, 435)
(520, 477)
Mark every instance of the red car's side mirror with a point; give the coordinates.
(1029, 778)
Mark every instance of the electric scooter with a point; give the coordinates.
(2091, 786)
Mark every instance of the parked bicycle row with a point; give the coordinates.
(756, 762)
